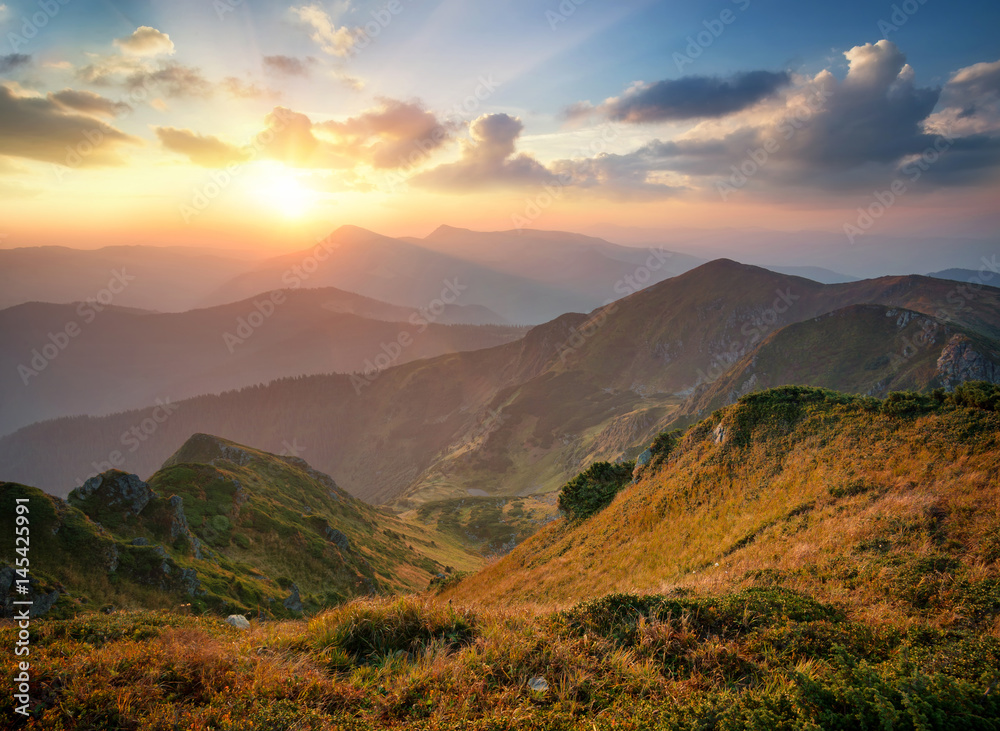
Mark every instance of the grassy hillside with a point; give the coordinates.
(227, 529)
(802, 559)
(888, 506)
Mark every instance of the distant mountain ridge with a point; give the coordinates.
(527, 277)
(61, 360)
(522, 417)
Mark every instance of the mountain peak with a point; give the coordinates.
(207, 449)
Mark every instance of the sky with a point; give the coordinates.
(246, 124)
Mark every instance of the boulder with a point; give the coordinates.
(113, 489)
(238, 621)
(337, 538)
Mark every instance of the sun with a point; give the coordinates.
(278, 188)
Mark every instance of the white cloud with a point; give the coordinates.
(145, 41)
(332, 39)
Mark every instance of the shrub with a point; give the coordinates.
(590, 491)
(368, 630)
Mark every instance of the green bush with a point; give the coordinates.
(590, 491)
(371, 630)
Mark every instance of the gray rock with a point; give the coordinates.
(960, 362)
(112, 558)
(42, 604)
(190, 582)
(338, 539)
(538, 684)
(238, 621)
(140, 541)
(179, 526)
(294, 603)
(115, 489)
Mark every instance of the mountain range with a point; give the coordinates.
(61, 360)
(522, 417)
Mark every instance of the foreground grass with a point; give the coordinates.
(765, 658)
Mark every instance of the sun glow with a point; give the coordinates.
(278, 188)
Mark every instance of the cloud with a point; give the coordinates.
(173, 79)
(388, 136)
(970, 101)
(820, 133)
(88, 102)
(13, 61)
(292, 142)
(4, 11)
(488, 160)
(691, 97)
(204, 150)
(239, 89)
(39, 128)
(332, 39)
(145, 41)
(288, 65)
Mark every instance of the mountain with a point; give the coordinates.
(571, 262)
(527, 278)
(61, 360)
(817, 274)
(986, 274)
(866, 349)
(225, 528)
(521, 418)
(167, 278)
(848, 499)
(869, 255)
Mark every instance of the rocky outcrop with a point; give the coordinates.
(960, 362)
(179, 526)
(113, 489)
(640, 463)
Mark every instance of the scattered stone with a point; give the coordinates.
(538, 684)
(238, 621)
(140, 541)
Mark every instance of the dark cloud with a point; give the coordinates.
(691, 97)
(203, 150)
(823, 133)
(41, 129)
(89, 103)
(288, 65)
(13, 61)
(488, 160)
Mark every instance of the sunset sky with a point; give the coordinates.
(242, 123)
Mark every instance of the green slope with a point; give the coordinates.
(228, 529)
